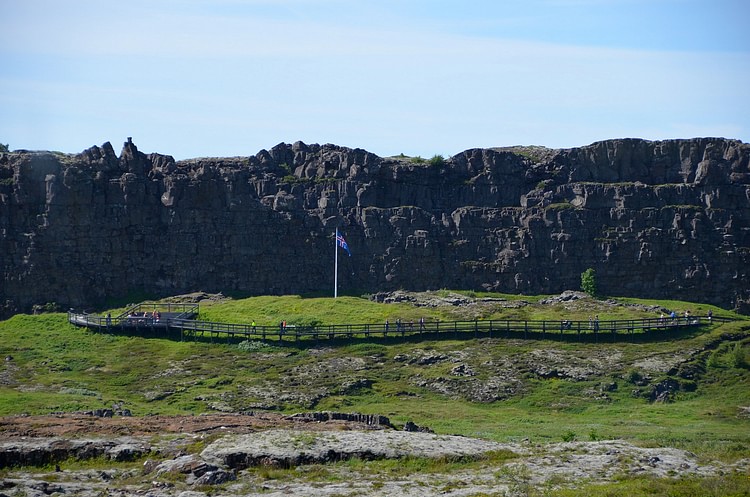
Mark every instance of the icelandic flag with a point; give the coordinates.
(342, 243)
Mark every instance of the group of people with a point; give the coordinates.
(403, 327)
(673, 319)
(594, 323)
(153, 317)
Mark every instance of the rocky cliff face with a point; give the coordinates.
(654, 219)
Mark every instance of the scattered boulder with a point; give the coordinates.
(188, 464)
(350, 387)
(609, 387)
(462, 370)
(414, 428)
(566, 296)
(664, 390)
(216, 477)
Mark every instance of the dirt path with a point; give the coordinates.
(79, 425)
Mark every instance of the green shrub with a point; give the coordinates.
(569, 436)
(588, 281)
(437, 160)
(634, 376)
(306, 322)
(252, 345)
(713, 359)
(739, 357)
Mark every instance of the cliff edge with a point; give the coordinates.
(655, 219)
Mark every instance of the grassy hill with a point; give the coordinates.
(691, 391)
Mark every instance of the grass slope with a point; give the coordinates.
(502, 389)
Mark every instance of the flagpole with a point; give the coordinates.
(336, 264)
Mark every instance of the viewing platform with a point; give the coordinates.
(152, 315)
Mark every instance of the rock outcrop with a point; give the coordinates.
(285, 448)
(46, 451)
(665, 219)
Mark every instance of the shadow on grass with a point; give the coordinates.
(394, 337)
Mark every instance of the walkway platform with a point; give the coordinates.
(181, 318)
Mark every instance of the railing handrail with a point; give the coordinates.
(185, 322)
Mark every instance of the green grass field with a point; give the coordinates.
(538, 390)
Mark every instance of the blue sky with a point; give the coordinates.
(196, 78)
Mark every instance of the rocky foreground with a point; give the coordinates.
(277, 455)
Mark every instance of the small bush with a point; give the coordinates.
(634, 376)
(588, 281)
(569, 436)
(219, 382)
(79, 391)
(739, 357)
(437, 160)
(306, 322)
(252, 345)
(46, 308)
(713, 360)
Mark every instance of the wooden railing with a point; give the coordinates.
(180, 318)
(137, 316)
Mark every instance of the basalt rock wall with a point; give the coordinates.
(667, 219)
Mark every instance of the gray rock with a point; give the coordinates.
(216, 477)
(45, 451)
(286, 448)
(127, 451)
(462, 370)
(185, 465)
(374, 420)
